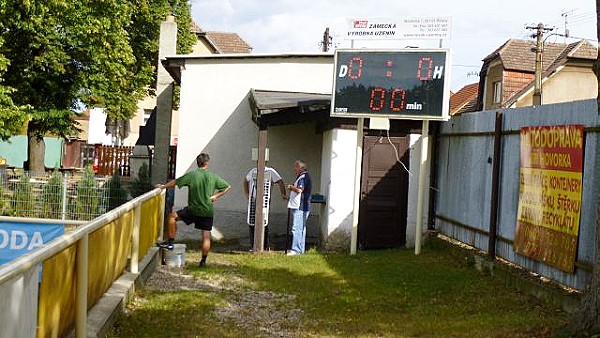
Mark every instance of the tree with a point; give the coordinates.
(12, 117)
(586, 320)
(62, 55)
(51, 198)
(141, 184)
(117, 194)
(23, 199)
(87, 204)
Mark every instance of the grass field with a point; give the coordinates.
(386, 293)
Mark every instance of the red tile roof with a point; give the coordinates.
(227, 43)
(518, 60)
(464, 99)
(519, 55)
(222, 42)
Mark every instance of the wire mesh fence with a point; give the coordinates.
(58, 195)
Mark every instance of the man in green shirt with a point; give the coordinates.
(204, 188)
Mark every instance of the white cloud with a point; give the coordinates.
(478, 28)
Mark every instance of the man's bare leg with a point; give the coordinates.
(205, 247)
(172, 224)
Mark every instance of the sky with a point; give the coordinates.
(478, 27)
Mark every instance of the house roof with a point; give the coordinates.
(174, 63)
(222, 42)
(464, 100)
(227, 43)
(519, 55)
(281, 107)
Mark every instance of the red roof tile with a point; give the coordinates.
(227, 43)
(465, 97)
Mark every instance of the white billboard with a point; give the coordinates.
(411, 28)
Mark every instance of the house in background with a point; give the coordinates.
(218, 42)
(464, 100)
(208, 42)
(507, 75)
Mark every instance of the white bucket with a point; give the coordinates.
(175, 258)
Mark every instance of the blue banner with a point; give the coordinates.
(17, 239)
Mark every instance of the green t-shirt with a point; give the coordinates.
(201, 185)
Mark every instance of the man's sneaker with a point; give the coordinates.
(165, 245)
(202, 264)
(291, 253)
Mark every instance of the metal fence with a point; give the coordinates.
(71, 195)
(465, 199)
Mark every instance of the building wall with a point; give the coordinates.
(570, 83)
(337, 184)
(147, 104)
(216, 118)
(494, 74)
(202, 47)
(15, 151)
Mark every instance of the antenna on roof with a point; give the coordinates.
(566, 15)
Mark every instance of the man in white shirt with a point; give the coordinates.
(249, 184)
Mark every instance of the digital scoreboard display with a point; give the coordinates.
(396, 84)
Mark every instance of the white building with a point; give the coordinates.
(223, 100)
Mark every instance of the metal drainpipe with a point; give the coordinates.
(495, 186)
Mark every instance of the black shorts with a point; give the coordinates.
(200, 222)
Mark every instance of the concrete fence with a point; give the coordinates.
(48, 292)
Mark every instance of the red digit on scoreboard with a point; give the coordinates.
(355, 62)
(425, 68)
(398, 101)
(377, 101)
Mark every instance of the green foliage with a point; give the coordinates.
(23, 202)
(52, 197)
(117, 194)
(12, 117)
(59, 54)
(87, 204)
(4, 202)
(141, 184)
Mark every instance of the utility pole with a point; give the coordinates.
(326, 40)
(539, 51)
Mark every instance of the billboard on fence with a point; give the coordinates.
(550, 194)
(17, 239)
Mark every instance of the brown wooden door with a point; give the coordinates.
(384, 193)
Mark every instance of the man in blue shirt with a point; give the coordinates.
(299, 205)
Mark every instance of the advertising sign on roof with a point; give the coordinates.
(412, 28)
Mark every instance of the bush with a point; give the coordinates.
(141, 184)
(4, 203)
(87, 203)
(52, 197)
(117, 194)
(23, 199)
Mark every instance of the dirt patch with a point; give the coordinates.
(265, 314)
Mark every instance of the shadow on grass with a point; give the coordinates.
(384, 293)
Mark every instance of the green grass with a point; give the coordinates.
(387, 293)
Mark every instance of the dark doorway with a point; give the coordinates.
(384, 192)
